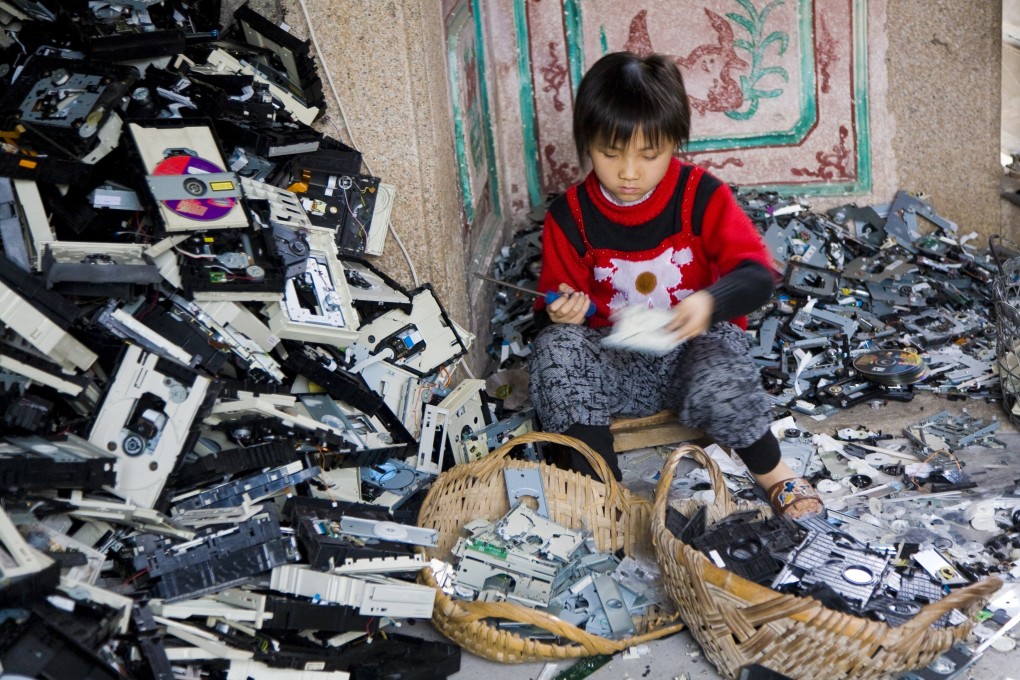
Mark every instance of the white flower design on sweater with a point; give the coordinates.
(648, 282)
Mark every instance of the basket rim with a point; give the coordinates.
(496, 461)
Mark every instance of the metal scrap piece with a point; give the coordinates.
(952, 431)
(902, 223)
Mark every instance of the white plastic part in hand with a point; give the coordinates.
(640, 329)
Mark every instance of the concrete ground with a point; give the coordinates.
(679, 655)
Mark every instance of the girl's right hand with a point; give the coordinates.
(571, 307)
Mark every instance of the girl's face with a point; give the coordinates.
(630, 172)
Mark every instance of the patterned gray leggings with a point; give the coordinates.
(710, 382)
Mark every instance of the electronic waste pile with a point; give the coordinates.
(218, 417)
(875, 304)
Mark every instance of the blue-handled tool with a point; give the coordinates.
(550, 297)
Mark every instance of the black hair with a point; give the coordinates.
(623, 93)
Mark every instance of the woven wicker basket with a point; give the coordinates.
(738, 622)
(475, 490)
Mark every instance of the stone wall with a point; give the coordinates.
(944, 85)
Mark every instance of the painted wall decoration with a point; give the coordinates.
(778, 87)
(471, 118)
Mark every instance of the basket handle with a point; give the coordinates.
(593, 644)
(495, 459)
(1001, 249)
(723, 501)
(920, 624)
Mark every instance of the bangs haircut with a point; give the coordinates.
(623, 93)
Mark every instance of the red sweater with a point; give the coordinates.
(682, 238)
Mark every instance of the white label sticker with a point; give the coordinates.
(717, 559)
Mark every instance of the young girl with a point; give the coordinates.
(645, 229)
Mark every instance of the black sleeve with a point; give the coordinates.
(742, 291)
(542, 319)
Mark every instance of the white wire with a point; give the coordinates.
(350, 132)
(329, 74)
(467, 369)
(400, 244)
(347, 203)
(197, 256)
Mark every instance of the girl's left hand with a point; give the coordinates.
(693, 315)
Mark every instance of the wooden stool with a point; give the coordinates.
(655, 430)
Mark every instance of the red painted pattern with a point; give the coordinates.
(559, 174)
(712, 67)
(831, 165)
(555, 75)
(825, 52)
